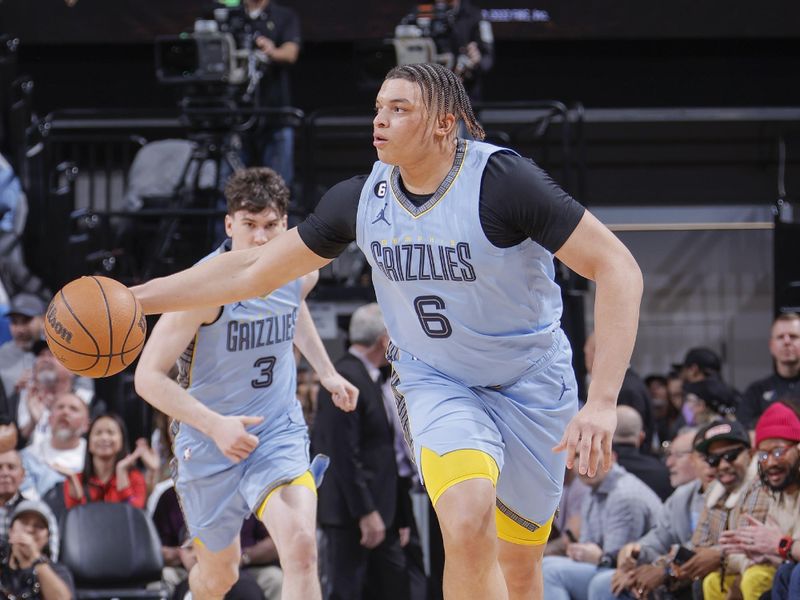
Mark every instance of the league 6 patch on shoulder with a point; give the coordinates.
(380, 189)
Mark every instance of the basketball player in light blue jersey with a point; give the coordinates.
(242, 442)
(461, 237)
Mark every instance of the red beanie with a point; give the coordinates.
(778, 421)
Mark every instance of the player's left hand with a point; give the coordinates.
(343, 393)
(589, 435)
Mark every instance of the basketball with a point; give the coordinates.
(95, 326)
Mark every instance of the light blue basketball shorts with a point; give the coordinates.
(216, 495)
(516, 424)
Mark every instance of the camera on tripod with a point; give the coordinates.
(219, 51)
(423, 35)
(197, 58)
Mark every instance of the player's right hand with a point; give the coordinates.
(343, 393)
(232, 439)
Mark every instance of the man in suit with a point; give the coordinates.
(358, 502)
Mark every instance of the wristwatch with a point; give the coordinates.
(42, 560)
(785, 547)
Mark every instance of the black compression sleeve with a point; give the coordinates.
(332, 226)
(519, 201)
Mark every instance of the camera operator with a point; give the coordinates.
(462, 31)
(273, 30)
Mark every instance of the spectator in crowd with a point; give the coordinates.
(633, 393)
(754, 548)
(49, 379)
(27, 562)
(668, 424)
(657, 387)
(619, 510)
(109, 473)
(358, 507)
(685, 464)
(15, 278)
(628, 438)
(26, 314)
(699, 364)
(784, 346)
(642, 560)
(659, 400)
(259, 558)
(49, 460)
(707, 400)
(11, 476)
(724, 446)
(567, 523)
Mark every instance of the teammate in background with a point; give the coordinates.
(462, 264)
(237, 390)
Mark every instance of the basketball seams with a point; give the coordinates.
(52, 341)
(110, 324)
(93, 354)
(133, 324)
(78, 321)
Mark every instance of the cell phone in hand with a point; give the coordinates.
(682, 555)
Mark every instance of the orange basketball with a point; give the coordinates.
(95, 326)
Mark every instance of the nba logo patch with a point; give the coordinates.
(187, 454)
(380, 189)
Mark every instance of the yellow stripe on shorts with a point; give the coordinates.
(512, 530)
(306, 480)
(440, 473)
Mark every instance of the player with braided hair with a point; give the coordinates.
(461, 237)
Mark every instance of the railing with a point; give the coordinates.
(99, 147)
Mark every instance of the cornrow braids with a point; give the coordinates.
(442, 92)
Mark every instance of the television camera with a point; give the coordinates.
(424, 36)
(219, 57)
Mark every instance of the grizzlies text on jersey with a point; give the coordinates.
(438, 277)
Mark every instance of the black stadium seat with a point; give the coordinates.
(113, 551)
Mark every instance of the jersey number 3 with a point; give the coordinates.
(265, 364)
(434, 324)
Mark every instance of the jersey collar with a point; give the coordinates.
(417, 211)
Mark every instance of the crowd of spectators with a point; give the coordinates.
(725, 525)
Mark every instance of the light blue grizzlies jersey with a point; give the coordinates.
(243, 363)
(479, 314)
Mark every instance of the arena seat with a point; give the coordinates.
(113, 551)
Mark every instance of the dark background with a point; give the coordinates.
(607, 53)
(131, 21)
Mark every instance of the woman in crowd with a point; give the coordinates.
(109, 473)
